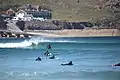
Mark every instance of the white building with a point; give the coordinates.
(22, 15)
(30, 15)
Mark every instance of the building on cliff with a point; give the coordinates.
(32, 15)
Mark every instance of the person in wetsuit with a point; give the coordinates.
(46, 53)
(118, 64)
(52, 57)
(70, 63)
(38, 59)
(49, 46)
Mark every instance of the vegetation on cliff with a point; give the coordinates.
(74, 10)
(105, 12)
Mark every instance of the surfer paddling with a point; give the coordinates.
(118, 64)
(52, 57)
(70, 64)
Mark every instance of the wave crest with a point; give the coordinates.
(31, 42)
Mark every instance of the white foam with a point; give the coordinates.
(15, 45)
(23, 44)
(42, 39)
(27, 43)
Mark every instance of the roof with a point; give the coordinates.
(39, 13)
(33, 12)
(27, 6)
(21, 11)
(10, 9)
(23, 6)
(35, 6)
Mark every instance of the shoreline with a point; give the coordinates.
(63, 33)
(76, 33)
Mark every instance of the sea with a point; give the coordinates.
(92, 58)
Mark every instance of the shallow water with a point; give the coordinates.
(92, 58)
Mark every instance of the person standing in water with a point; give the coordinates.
(47, 53)
(49, 46)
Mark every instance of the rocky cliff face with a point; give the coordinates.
(113, 7)
(110, 3)
(56, 25)
(41, 25)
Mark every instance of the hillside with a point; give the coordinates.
(72, 10)
(99, 11)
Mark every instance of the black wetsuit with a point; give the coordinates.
(70, 63)
(49, 46)
(118, 64)
(38, 59)
(46, 53)
(53, 57)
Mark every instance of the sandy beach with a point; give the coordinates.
(76, 33)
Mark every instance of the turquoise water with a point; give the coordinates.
(92, 58)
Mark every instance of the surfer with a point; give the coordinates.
(118, 64)
(38, 59)
(46, 53)
(70, 63)
(33, 44)
(49, 46)
(52, 57)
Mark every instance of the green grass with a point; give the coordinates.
(66, 9)
(85, 10)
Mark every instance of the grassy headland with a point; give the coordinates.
(71, 10)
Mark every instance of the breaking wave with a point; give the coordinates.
(34, 41)
(29, 42)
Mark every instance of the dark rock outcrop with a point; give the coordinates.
(3, 25)
(21, 25)
(40, 25)
(55, 25)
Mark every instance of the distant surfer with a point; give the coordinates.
(118, 64)
(47, 53)
(52, 57)
(70, 63)
(38, 59)
(49, 46)
(33, 44)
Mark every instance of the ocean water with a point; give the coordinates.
(92, 58)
